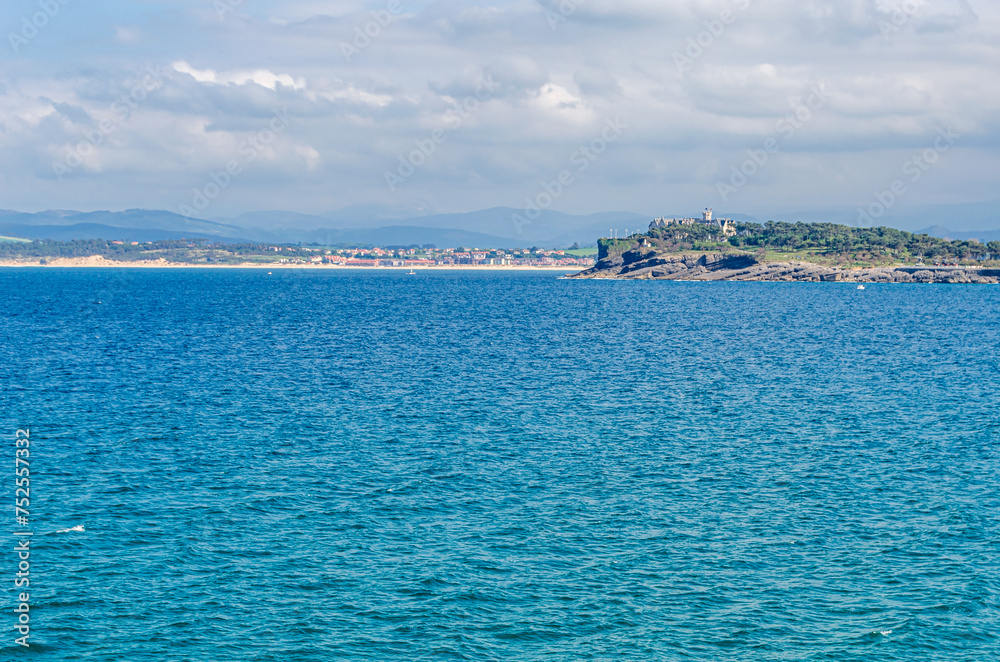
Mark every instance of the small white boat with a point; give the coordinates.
(861, 287)
(411, 272)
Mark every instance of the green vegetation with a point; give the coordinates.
(825, 243)
(583, 252)
(615, 247)
(182, 251)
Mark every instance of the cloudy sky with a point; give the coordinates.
(665, 106)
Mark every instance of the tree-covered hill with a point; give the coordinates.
(836, 239)
(827, 242)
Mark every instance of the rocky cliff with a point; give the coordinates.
(648, 264)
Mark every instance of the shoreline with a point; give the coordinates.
(99, 262)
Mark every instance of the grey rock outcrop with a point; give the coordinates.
(650, 265)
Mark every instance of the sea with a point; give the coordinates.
(326, 465)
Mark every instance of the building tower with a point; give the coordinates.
(707, 214)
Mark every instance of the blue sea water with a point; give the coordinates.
(352, 465)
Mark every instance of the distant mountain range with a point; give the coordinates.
(489, 228)
(945, 233)
(499, 227)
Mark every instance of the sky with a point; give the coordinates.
(220, 107)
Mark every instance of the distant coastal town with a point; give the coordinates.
(204, 253)
(433, 257)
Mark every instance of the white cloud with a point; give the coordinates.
(310, 155)
(561, 104)
(262, 77)
(608, 58)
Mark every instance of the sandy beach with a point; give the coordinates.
(99, 261)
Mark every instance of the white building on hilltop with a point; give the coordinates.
(726, 225)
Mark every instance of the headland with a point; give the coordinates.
(708, 249)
